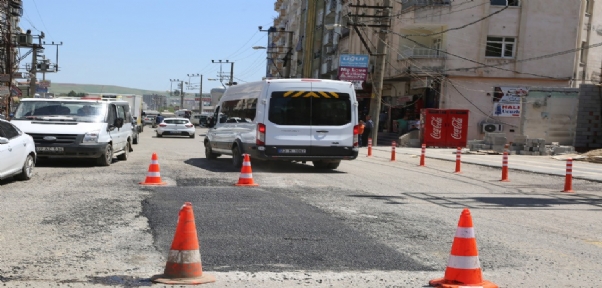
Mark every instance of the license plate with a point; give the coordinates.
(50, 149)
(296, 151)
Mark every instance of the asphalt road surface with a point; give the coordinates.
(370, 223)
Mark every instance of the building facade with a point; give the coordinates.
(477, 55)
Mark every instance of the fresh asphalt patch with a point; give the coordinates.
(255, 229)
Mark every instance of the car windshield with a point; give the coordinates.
(76, 111)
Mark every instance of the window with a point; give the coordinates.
(8, 130)
(239, 111)
(112, 115)
(505, 2)
(502, 47)
(310, 110)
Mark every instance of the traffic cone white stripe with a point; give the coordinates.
(465, 232)
(184, 256)
(154, 161)
(246, 163)
(153, 174)
(246, 175)
(464, 262)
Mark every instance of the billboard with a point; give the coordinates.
(354, 68)
(506, 101)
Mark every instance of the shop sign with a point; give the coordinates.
(354, 60)
(353, 74)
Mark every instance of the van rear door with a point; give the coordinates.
(331, 121)
(288, 130)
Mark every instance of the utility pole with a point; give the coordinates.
(34, 65)
(182, 94)
(200, 91)
(384, 22)
(231, 82)
(7, 37)
(310, 28)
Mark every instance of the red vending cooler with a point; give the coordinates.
(444, 127)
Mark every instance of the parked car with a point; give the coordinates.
(176, 126)
(17, 151)
(148, 120)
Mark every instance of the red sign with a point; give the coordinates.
(353, 73)
(444, 127)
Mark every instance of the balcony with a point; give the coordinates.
(420, 53)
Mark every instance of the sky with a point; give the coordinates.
(144, 43)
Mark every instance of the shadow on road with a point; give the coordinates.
(225, 165)
(385, 198)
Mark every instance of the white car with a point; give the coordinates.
(175, 126)
(17, 152)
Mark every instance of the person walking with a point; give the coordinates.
(360, 133)
(402, 125)
(369, 125)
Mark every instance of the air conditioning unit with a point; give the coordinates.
(492, 128)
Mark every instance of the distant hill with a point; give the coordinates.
(64, 88)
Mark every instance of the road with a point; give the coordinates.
(370, 223)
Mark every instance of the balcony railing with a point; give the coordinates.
(420, 53)
(410, 3)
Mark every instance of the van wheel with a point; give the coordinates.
(209, 152)
(236, 157)
(126, 153)
(107, 156)
(27, 170)
(320, 164)
(334, 164)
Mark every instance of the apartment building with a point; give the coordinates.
(479, 55)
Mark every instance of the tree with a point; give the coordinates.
(72, 93)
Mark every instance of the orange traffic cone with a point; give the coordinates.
(184, 260)
(246, 174)
(463, 267)
(153, 176)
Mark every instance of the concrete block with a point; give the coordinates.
(520, 139)
(497, 148)
(499, 141)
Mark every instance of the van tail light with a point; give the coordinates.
(356, 135)
(163, 125)
(260, 134)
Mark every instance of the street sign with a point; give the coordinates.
(354, 60)
(353, 74)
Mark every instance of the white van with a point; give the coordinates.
(286, 119)
(77, 128)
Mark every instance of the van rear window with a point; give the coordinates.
(315, 108)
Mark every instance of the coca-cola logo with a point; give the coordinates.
(457, 125)
(437, 124)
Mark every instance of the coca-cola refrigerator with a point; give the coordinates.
(444, 127)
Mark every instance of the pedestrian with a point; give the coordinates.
(402, 125)
(369, 125)
(159, 119)
(361, 125)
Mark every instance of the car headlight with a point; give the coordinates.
(91, 137)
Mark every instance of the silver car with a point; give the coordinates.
(176, 127)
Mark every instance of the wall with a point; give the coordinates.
(476, 95)
(550, 114)
(589, 128)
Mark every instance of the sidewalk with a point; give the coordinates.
(536, 164)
